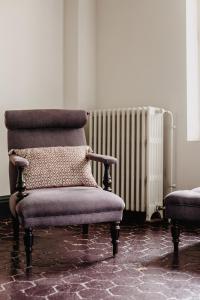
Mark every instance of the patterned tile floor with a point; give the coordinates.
(67, 265)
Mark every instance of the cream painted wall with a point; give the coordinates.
(70, 38)
(80, 54)
(141, 60)
(31, 62)
(87, 54)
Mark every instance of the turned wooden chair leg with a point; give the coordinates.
(28, 243)
(115, 228)
(175, 231)
(15, 261)
(15, 224)
(85, 228)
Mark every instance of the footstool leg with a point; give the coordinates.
(85, 228)
(115, 228)
(175, 231)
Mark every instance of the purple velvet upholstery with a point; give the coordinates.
(18, 161)
(45, 118)
(80, 205)
(106, 159)
(108, 216)
(183, 205)
(50, 137)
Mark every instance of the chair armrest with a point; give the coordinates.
(18, 161)
(106, 159)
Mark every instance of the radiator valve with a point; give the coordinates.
(159, 207)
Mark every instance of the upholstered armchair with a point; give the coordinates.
(53, 205)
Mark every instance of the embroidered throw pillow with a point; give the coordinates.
(56, 167)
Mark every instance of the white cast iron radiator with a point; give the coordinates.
(136, 137)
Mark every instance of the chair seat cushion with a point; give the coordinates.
(69, 205)
(183, 205)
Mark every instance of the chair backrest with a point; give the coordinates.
(43, 128)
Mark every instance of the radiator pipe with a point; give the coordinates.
(171, 186)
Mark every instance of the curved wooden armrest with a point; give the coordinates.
(18, 161)
(106, 159)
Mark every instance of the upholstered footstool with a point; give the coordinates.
(182, 206)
